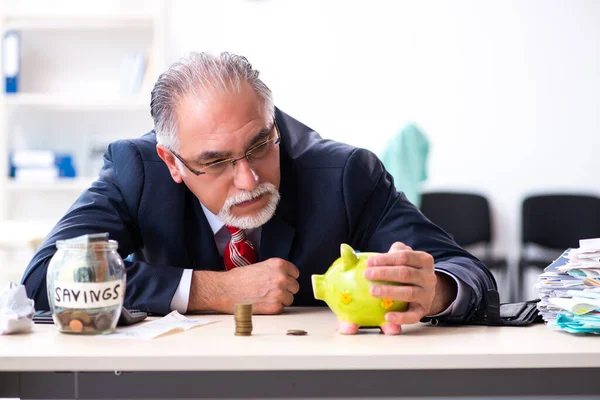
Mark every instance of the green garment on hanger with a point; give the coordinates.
(405, 158)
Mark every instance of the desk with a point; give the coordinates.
(210, 362)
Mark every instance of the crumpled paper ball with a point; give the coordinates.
(16, 310)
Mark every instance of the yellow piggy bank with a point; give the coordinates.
(346, 291)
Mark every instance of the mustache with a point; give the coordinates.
(241, 197)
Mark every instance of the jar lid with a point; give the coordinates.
(97, 241)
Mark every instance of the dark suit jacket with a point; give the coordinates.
(331, 193)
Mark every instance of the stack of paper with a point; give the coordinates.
(569, 289)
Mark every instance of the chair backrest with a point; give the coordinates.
(465, 216)
(558, 221)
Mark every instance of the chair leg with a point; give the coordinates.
(520, 283)
(515, 282)
(507, 287)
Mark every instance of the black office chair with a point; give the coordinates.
(555, 222)
(465, 217)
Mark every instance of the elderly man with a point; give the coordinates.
(229, 199)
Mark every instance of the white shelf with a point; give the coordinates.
(20, 233)
(143, 28)
(61, 184)
(76, 102)
(32, 22)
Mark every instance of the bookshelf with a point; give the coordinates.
(55, 185)
(71, 98)
(77, 103)
(74, 22)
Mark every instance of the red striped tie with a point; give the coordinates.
(239, 252)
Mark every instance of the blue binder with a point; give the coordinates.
(11, 56)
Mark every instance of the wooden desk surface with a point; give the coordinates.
(215, 348)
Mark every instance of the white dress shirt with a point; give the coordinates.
(181, 297)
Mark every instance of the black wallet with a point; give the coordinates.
(506, 314)
(497, 314)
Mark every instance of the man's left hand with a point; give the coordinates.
(426, 292)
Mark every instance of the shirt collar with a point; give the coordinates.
(215, 223)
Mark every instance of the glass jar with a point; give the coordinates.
(86, 284)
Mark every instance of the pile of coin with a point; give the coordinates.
(242, 313)
(78, 321)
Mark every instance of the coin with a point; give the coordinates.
(296, 332)
(243, 319)
(82, 316)
(102, 321)
(76, 325)
(64, 317)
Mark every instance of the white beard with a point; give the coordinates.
(253, 221)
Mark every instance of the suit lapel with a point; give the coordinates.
(199, 237)
(278, 234)
(276, 238)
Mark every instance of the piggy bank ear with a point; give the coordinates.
(348, 256)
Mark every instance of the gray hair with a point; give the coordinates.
(197, 73)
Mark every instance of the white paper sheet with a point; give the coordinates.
(576, 305)
(150, 330)
(591, 244)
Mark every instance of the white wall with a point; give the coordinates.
(507, 91)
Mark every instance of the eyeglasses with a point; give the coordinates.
(253, 154)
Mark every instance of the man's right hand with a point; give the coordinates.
(269, 285)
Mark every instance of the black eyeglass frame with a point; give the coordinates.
(276, 140)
